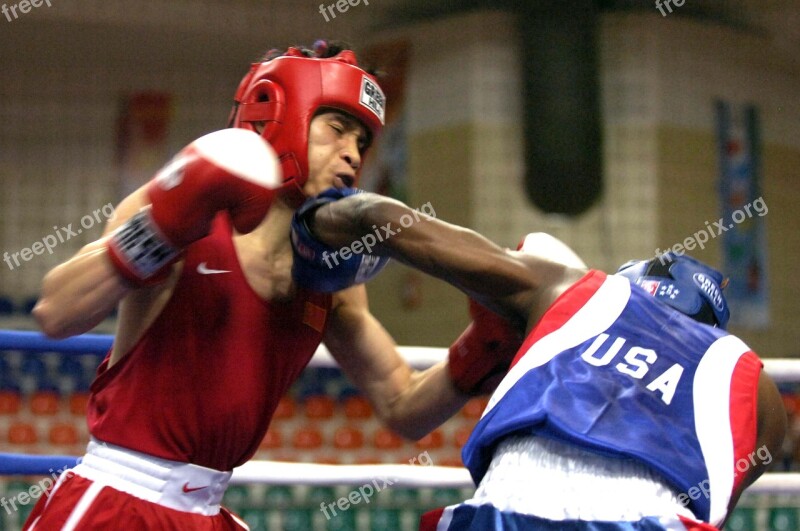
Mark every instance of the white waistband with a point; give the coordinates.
(546, 478)
(181, 486)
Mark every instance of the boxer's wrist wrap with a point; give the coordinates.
(140, 252)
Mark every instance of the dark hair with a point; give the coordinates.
(321, 49)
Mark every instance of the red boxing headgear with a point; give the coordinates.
(286, 92)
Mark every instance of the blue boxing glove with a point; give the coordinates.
(320, 267)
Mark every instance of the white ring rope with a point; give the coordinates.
(284, 473)
(780, 369)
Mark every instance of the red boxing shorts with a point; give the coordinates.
(115, 488)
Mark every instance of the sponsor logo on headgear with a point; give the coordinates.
(709, 287)
(372, 98)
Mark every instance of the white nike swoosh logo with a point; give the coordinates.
(204, 270)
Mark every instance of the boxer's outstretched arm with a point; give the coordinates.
(516, 285)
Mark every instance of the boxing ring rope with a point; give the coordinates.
(286, 473)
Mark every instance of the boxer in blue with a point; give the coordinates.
(627, 405)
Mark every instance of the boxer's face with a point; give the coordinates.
(336, 143)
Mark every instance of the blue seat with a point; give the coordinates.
(90, 363)
(45, 383)
(311, 384)
(70, 366)
(33, 365)
(9, 383)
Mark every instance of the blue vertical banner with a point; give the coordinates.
(744, 245)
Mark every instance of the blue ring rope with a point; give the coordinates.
(38, 342)
(35, 465)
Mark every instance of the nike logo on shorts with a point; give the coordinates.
(204, 270)
(187, 489)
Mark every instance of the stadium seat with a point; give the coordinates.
(307, 438)
(286, 408)
(434, 439)
(9, 402)
(236, 497)
(256, 519)
(22, 433)
(71, 367)
(311, 383)
(357, 407)
(445, 497)
(5, 366)
(742, 519)
(273, 439)
(319, 407)
(342, 520)
(386, 439)
(461, 435)
(298, 519)
(473, 409)
(783, 519)
(279, 496)
(348, 438)
(403, 497)
(44, 403)
(33, 365)
(382, 518)
(452, 461)
(318, 494)
(63, 434)
(78, 403)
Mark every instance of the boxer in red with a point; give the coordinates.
(212, 330)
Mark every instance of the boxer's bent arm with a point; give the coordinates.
(79, 293)
(411, 402)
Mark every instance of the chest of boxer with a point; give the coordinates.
(202, 383)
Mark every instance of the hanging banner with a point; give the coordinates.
(744, 245)
(143, 126)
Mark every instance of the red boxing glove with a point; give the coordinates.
(481, 355)
(233, 170)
